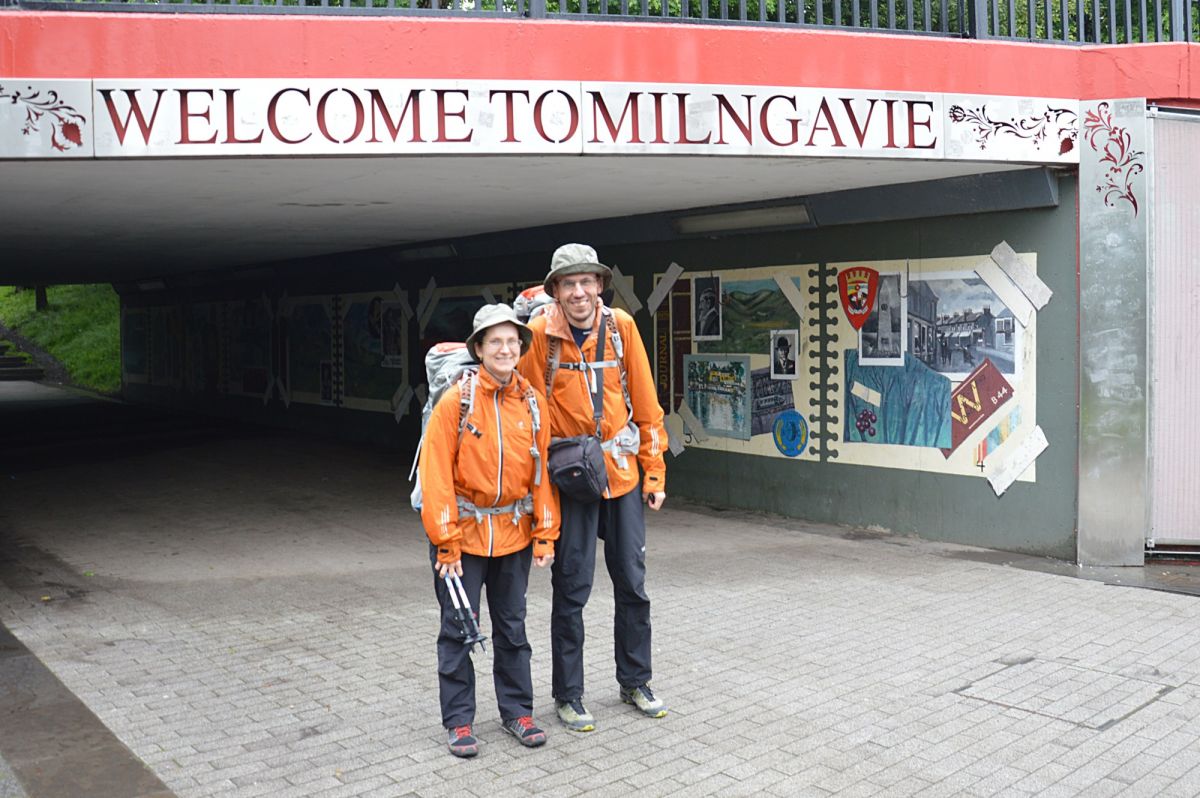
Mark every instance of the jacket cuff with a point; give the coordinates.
(449, 552)
(654, 483)
(543, 548)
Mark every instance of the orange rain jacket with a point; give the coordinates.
(570, 405)
(490, 469)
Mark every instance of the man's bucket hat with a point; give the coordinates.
(576, 259)
(491, 315)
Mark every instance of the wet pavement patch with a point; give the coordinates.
(53, 744)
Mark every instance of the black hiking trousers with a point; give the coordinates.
(621, 523)
(507, 579)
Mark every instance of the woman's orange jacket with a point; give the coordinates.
(491, 466)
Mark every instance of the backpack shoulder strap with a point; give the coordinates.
(466, 402)
(553, 355)
(619, 350)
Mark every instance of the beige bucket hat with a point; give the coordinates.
(491, 315)
(575, 259)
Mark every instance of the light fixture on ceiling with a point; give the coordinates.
(431, 252)
(794, 215)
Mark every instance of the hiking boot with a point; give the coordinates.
(462, 743)
(525, 730)
(643, 699)
(575, 716)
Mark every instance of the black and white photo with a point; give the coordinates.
(706, 308)
(881, 341)
(784, 351)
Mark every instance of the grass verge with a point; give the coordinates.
(81, 329)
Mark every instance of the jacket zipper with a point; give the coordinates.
(499, 467)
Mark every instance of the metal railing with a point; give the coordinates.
(1053, 21)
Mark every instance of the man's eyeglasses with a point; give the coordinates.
(495, 344)
(586, 283)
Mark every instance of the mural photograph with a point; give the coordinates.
(956, 320)
(718, 393)
(369, 383)
(248, 330)
(881, 340)
(707, 308)
(310, 351)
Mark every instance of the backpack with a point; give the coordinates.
(449, 364)
(531, 302)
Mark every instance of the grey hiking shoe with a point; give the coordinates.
(575, 716)
(644, 700)
(525, 730)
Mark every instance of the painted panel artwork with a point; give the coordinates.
(981, 394)
(310, 345)
(956, 320)
(881, 340)
(909, 406)
(249, 334)
(717, 390)
(707, 308)
(368, 383)
(771, 397)
(752, 308)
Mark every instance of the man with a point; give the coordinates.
(784, 362)
(708, 320)
(564, 349)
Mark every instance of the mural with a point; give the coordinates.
(310, 349)
(447, 313)
(371, 376)
(248, 332)
(938, 357)
(202, 349)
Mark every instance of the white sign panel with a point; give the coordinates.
(45, 118)
(334, 117)
(759, 120)
(986, 128)
(353, 116)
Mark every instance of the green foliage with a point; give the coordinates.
(81, 329)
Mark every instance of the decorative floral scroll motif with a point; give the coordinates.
(1062, 123)
(65, 122)
(1116, 146)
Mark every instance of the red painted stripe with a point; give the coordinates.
(121, 45)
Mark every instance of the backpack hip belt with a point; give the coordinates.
(518, 508)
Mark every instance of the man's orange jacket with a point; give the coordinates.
(491, 467)
(570, 403)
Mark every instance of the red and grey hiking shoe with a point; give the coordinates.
(525, 730)
(461, 742)
(644, 700)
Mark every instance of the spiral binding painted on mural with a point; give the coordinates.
(338, 327)
(823, 422)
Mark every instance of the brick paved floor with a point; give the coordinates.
(253, 616)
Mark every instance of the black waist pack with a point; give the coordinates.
(576, 466)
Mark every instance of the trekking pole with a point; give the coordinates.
(463, 612)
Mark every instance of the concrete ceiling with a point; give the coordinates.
(117, 220)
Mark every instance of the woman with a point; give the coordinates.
(488, 510)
